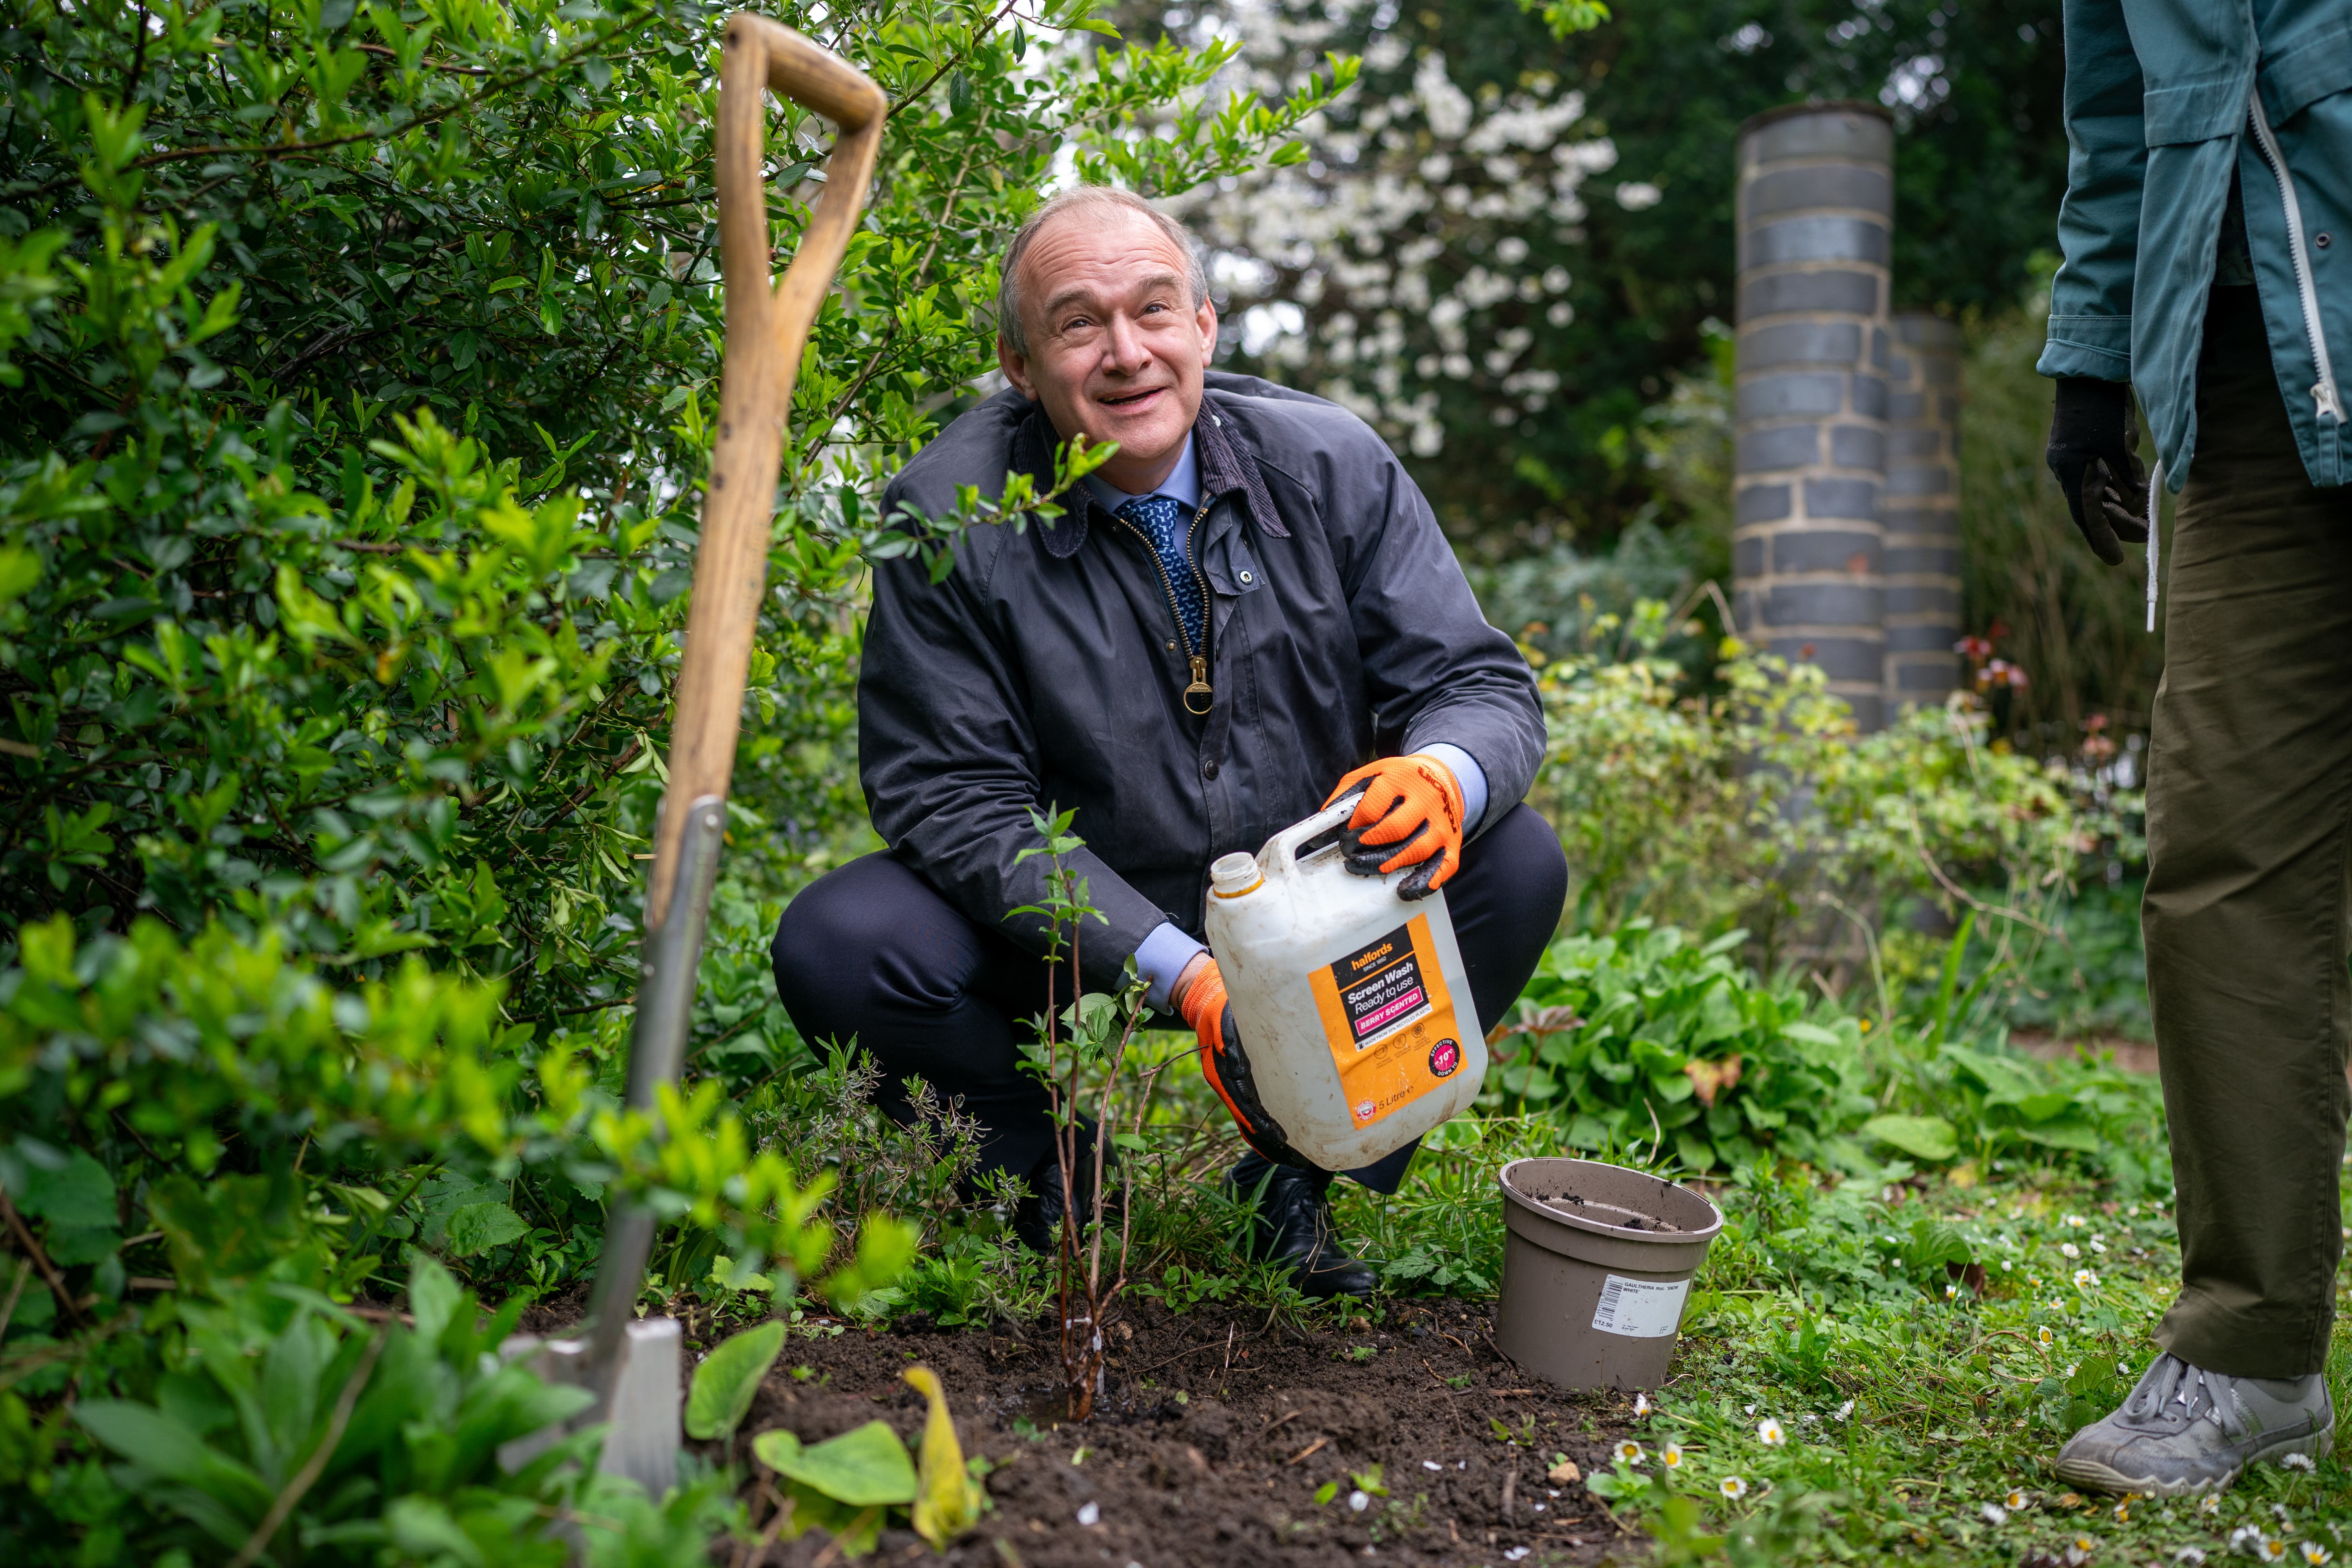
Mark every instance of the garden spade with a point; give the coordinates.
(630, 1363)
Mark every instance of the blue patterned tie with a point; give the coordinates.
(1161, 519)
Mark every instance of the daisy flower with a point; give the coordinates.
(2014, 1501)
(1733, 1487)
(2122, 1512)
(1629, 1452)
(2047, 1337)
(2210, 1505)
(2271, 1550)
(2075, 1222)
(1673, 1456)
(2084, 1279)
(1640, 1405)
(2298, 1462)
(1994, 1514)
(1769, 1432)
(2315, 1553)
(2192, 1556)
(2069, 1249)
(1950, 1292)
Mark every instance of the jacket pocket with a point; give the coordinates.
(2200, 111)
(2298, 77)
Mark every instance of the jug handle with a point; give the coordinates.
(1285, 845)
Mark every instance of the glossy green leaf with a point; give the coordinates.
(728, 1378)
(864, 1467)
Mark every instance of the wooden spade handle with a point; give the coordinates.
(767, 329)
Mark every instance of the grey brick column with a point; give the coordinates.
(1816, 211)
(1922, 510)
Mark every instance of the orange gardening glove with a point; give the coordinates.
(1200, 995)
(1410, 814)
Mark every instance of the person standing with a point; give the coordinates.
(2206, 227)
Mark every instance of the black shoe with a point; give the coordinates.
(1293, 1226)
(1037, 1218)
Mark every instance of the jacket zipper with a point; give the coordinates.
(2323, 392)
(1196, 657)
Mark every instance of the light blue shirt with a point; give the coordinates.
(1182, 484)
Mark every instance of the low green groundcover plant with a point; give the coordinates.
(1645, 1037)
(1889, 1367)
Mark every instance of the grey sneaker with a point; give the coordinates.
(2184, 1430)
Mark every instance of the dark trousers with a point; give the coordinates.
(2250, 871)
(871, 953)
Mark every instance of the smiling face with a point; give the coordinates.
(1115, 345)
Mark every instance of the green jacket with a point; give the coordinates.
(2165, 100)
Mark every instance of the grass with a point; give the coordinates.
(1914, 1419)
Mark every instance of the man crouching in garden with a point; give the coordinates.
(1247, 610)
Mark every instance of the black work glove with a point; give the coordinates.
(2091, 440)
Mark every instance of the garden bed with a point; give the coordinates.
(1217, 1434)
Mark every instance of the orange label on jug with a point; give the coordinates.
(1389, 1021)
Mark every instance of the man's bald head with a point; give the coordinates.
(1099, 205)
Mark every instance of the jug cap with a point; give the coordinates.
(1233, 875)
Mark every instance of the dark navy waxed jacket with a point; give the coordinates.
(1046, 668)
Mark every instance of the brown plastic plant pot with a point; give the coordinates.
(1597, 1265)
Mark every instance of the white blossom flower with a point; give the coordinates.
(2071, 1250)
(1640, 1405)
(2315, 1553)
(1673, 1456)
(2273, 1550)
(2084, 1279)
(1733, 1487)
(2047, 1337)
(1844, 1412)
(2014, 1501)
(2211, 1504)
(2074, 1222)
(1994, 1514)
(1769, 1432)
(2298, 1462)
(1359, 1500)
(2192, 1556)
(1629, 1452)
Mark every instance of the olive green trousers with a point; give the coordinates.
(2248, 916)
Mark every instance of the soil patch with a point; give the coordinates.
(1215, 1433)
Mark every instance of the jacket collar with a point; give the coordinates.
(1227, 465)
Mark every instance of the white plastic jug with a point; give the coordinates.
(1352, 1002)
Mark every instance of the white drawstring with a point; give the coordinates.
(2154, 489)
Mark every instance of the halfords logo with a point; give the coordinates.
(1373, 956)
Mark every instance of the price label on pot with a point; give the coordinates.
(1640, 1308)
